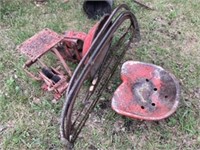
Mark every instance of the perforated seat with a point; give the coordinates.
(148, 92)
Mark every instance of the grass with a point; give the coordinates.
(170, 38)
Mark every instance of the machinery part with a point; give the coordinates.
(88, 41)
(49, 74)
(96, 9)
(77, 107)
(37, 46)
(71, 46)
(147, 92)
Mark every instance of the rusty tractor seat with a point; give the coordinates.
(148, 92)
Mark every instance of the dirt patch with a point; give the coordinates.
(191, 45)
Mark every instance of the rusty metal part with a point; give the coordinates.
(71, 124)
(71, 46)
(62, 61)
(57, 82)
(73, 42)
(37, 46)
(147, 92)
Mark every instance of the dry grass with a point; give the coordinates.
(170, 38)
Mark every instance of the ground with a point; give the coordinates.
(170, 38)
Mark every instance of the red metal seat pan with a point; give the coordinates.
(148, 92)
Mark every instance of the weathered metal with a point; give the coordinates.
(73, 119)
(34, 48)
(148, 92)
(71, 46)
(39, 44)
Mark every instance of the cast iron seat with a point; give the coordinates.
(148, 92)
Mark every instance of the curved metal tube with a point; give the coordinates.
(83, 68)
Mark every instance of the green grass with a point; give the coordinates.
(170, 38)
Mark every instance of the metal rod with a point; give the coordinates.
(62, 61)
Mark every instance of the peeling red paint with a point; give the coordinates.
(147, 92)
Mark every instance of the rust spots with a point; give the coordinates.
(148, 92)
(40, 43)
